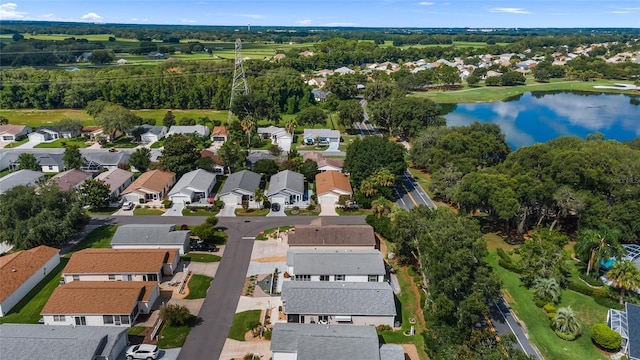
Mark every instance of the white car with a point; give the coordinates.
(143, 351)
(128, 205)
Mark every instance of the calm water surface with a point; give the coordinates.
(539, 117)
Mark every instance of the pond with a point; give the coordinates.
(539, 117)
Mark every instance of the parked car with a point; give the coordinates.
(142, 351)
(203, 246)
(128, 205)
(275, 207)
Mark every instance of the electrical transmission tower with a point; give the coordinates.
(239, 81)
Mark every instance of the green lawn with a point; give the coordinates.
(60, 143)
(303, 212)
(36, 118)
(204, 211)
(98, 238)
(158, 144)
(265, 233)
(198, 286)
(136, 330)
(197, 257)
(240, 321)
(352, 212)
(252, 212)
(27, 311)
(143, 211)
(551, 346)
(175, 336)
(122, 142)
(498, 93)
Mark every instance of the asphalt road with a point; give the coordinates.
(410, 194)
(504, 323)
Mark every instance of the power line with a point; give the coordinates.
(239, 79)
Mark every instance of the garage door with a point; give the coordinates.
(148, 139)
(327, 200)
(180, 199)
(285, 144)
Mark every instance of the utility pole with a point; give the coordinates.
(239, 81)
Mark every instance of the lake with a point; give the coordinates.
(539, 117)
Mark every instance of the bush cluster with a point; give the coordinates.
(507, 263)
(605, 338)
(565, 336)
(590, 280)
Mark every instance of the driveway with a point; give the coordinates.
(165, 354)
(175, 210)
(328, 209)
(277, 213)
(228, 210)
(28, 145)
(123, 212)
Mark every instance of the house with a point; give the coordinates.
(324, 163)
(151, 186)
(122, 62)
(100, 303)
(318, 82)
(48, 134)
(92, 132)
(121, 265)
(321, 136)
(193, 186)
(279, 57)
(219, 134)
(240, 188)
(13, 132)
(186, 130)
(22, 271)
(321, 235)
(21, 177)
(143, 236)
(330, 185)
(152, 133)
(218, 168)
(492, 73)
(84, 56)
(338, 302)
(97, 160)
(336, 265)
(527, 64)
(319, 95)
(344, 70)
(278, 136)
(286, 187)
(51, 160)
(323, 73)
(34, 341)
(155, 55)
(256, 156)
(627, 324)
(307, 53)
(117, 179)
(312, 342)
(70, 179)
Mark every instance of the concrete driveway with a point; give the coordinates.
(277, 213)
(28, 145)
(229, 210)
(123, 212)
(175, 210)
(328, 209)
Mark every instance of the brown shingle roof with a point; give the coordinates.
(25, 263)
(98, 297)
(70, 178)
(115, 178)
(329, 180)
(154, 180)
(332, 235)
(12, 129)
(212, 155)
(118, 261)
(221, 130)
(321, 160)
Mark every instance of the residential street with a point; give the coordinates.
(410, 194)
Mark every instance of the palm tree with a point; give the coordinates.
(546, 288)
(624, 275)
(247, 127)
(368, 188)
(381, 207)
(566, 321)
(384, 177)
(258, 196)
(290, 126)
(598, 245)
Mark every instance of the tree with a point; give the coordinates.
(169, 119)
(71, 125)
(100, 57)
(72, 158)
(116, 119)
(546, 289)
(343, 86)
(94, 192)
(384, 177)
(206, 163)
(309, 169)
(27, 161)
(513, 78)
(140, 159)
(542, 257)
(473, 80)
(381, 207)
(311, 116)
(349, 112)
(541, 75)
(266, 167)
(567, 201)
(625, 276)
(179, 155)
(566, 321)
(247, 125)
(259, 196)
(290, 126)
(594, 246)
(207, 231)
(232, 155)
(365, 157)
(174, 314)
(275, 150)
(368, 187)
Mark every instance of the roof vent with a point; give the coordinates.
(14, 270)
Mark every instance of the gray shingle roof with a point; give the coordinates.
(150, 129)
(30, 341)
(342, 262)
(338, 298)
(189, 129)
(147, 234)
(391, 352)
(633, 321)
(20, 177)
(245, 180)
(286, 180)
(321, 342)
(105, 158)
(196, 180)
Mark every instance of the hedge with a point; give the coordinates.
(590, 280)
(565, 336)
(510, 266)
(605, 338)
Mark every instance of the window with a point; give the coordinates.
(339, 277)
(81, 320)
(76, 277)
(112, 277)
(152, 277)
(107, 319)
(59, 318)
(124, 319)
(127, 277)
(323, 319)
(50, 167)
(303, 277)
(373, 278)
(324, 277)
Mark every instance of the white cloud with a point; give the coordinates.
(188, 21)
(620, 12)
(426, 3)
(304, 22)
(48, 16)
(133, 19)
(252, 16)
(509, 10)
(91, 16)
(8, 12)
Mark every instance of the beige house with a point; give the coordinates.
(150, 186)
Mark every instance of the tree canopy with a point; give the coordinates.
(365, 157)
(179, 155)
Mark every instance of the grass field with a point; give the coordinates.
(240, 321)
(143, 212)
(98, 238)
(198, 286)
(498, 93)
(537, 323)
(175, 336)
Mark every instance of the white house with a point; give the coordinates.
(336, 265)
(150, 236)
(121, 265)
(11, 132)
(344, 70)
(20, 177)
(100, 303)
(286, 188)
(321, 136)
(34, 341)
(152, 133)
(240, 187)
(193, 186)
(278, 136)
(22, 271)
(117, 179)
(190, 129)
(337, 302)
(330, 185)
(44, 135)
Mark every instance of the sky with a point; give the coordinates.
(352, 13)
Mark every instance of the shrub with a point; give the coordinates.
(605, 338)
(551, 316)
(503, 255)
(166, 203)
(540, 302)
(580, 287)
(510, 266)
(267, 334)
(591, 280)
(174, 314)
(565, 336)
(383, 327)
(550, 308)
(311, 207)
